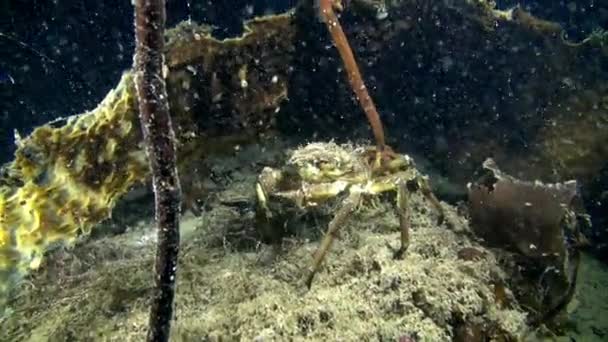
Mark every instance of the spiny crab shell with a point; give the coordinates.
(318, 176)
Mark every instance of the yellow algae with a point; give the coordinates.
(69, 178)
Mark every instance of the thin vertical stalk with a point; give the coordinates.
(326, 12)
(159, 140)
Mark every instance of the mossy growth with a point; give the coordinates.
(232, 287)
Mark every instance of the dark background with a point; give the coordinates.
(64, 56)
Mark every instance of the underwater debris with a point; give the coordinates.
(598, 37)
(544, 27)
(6, 78)
(531, 226)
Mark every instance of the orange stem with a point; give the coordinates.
(354, 75)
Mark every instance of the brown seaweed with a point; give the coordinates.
(531, 225)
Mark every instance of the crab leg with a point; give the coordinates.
(429, 195)
(326, 12)
(404, 218)
(350, 203)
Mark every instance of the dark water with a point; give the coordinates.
(64, 57)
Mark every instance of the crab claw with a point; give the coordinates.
(337, 5)
(381, 159)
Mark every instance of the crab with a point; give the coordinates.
(318, 173)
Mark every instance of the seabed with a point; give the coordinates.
(232, 287)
